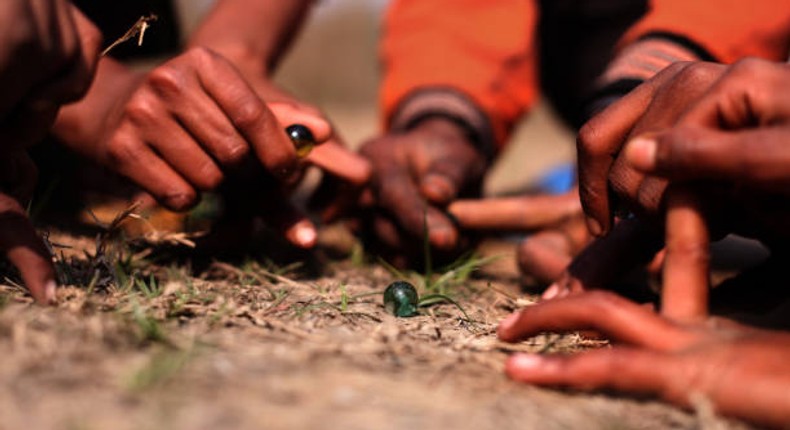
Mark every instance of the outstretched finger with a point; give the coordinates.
(515, 213)
(684, 294)
(607, 313)
(334, 158)
(24, 248)
(619, 368)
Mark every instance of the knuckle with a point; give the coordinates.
(233, 154)
(167, 80)
(249, 114)
(695, 73)
(179, 199)
(201, 55)
(120, 152)
(750, 67)
(604, 301)
(210, 176)
(141, 109)
(590, 138)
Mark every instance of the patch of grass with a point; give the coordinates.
(149, 328)
(150, 289)
(160, 369)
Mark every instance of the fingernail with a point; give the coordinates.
(508, 323)
(526, 361)
(640, 152)
(305, 235)
(49, 291)
(594, 226)
(443, 237)
(551, 292)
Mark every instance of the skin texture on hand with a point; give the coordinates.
(416, 175)
(742, 371)
(555, 221)
(193, 124)
(725, 157)
(651, 107)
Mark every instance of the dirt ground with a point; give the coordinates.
(254, 345)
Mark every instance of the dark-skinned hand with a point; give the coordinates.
(726, 159)
(743, 372)
(416, 175)
(197, 122)
(556, 224)
(48, 55)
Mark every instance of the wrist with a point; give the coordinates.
(445, 110)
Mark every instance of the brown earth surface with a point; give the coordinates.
(252, 346)
(256, 346)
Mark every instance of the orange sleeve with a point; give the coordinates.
(476, 51)
(726, 29)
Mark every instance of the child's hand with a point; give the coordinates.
(742, 371)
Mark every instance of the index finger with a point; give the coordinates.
(599, 143)
(248, 113)
(684, 293)
(615, 317)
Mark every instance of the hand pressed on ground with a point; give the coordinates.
(741, 370)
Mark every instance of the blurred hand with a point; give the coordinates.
(742, 371)
(19, 241)
(48, 56)
(555, 221)
(416, 175)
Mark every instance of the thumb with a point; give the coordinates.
(756, 157)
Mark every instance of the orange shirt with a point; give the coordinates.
(485, 49)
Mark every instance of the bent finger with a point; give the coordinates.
(26, 251)
(623, 369)
(249, 114)
(615, 317)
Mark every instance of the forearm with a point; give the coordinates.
(253, 34)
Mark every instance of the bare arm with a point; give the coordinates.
(253, 34)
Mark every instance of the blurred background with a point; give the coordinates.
(334, 65)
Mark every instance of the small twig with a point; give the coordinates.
(137, 30)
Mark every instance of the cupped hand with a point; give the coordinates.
(416, 175)
(742, 371)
